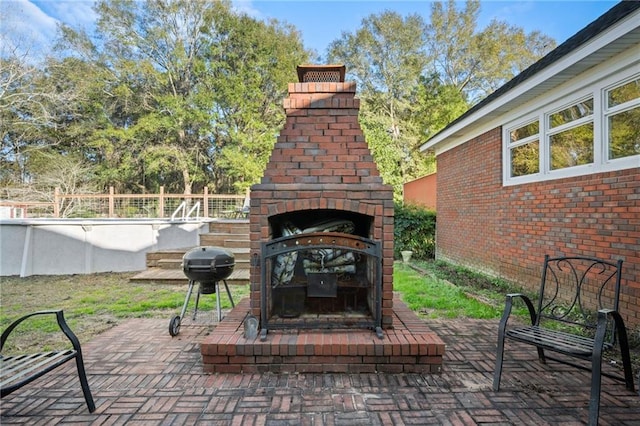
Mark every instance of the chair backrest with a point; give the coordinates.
(574, 288)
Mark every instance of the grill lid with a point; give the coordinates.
(208, 263)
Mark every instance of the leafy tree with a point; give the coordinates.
(186, 93)
(190, 92)
(251, 64)
(31, 111)
(415, 78)
(156, 49)
(15, 80)
(388, 158)
(436, 105)
(386, 58)
(478, 62)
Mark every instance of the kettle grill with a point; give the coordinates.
(206, 265)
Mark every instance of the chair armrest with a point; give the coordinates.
(602, 325)
(620, 335)
(507, 310)
(603, 317)
(527, 301)
(618, 322)
(62, 323)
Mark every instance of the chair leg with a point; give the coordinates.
(596, 369)
(499, 358)
(594, 400)
(84, 383)
(624, 352)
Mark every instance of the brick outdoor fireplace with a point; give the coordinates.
(322, 190)
(321, 231)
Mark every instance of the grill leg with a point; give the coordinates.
(195, 311)
(229, 293)
(186, 300)
(218, 307)
(218, 302)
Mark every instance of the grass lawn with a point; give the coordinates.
(433, 297)
(91, 303)
(97, 302)
(94, 303)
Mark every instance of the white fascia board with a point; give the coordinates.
(462, 131)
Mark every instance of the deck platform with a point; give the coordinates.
(177, 277)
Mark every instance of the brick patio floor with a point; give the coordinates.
(139, 375)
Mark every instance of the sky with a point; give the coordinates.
(319, 21)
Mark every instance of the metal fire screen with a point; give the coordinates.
(333, 249)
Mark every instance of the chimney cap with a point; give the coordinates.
(332, 73)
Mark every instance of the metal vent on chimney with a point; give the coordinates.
(321, 73)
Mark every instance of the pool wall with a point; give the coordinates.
(77, 246)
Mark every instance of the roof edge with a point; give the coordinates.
(614, 15)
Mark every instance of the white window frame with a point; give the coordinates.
(547, 132)
(607, 112)
(524, 141)
(601, 163)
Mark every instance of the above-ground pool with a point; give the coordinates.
(84, 246)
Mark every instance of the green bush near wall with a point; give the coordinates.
(415, 230)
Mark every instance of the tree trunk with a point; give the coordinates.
(188, 185)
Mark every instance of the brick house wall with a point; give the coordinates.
(506, 231)
(422, 191)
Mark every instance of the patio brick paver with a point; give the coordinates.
(139, 375)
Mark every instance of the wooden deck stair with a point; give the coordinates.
(165, 266)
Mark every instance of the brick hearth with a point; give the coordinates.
(409, 347)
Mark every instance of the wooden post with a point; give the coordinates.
(111, 202)
(205, 201)
(161, 202)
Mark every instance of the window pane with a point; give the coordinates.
(624, 134)
(579, 110)
(525, 159)
(624, 93)
(572, 147)
(524, 132)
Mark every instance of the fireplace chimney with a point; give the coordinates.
(321, 170)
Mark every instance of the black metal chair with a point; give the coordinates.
(574, 291)
(19, 370)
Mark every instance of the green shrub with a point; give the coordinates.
(415, 230)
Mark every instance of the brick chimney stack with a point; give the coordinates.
(321, 161)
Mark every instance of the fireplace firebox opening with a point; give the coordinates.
(321, 279)
(335, 278)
